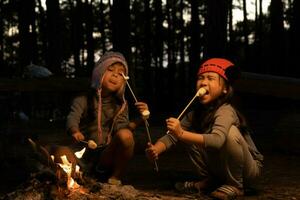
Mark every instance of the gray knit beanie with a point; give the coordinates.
(108, 59)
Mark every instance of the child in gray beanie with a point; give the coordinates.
(102, 116)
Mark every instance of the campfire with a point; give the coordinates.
(64, 164)
(68, 168)
(59, 177)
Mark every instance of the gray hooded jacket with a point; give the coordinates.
(113, 109)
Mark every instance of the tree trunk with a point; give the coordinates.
(158, 53)
(42, 33)
(245, 33)
(54, 35)
(147, 52)
(28, 45)
(102, 27)
(295, 40)
(195, 44)
(2, 66)
(121, 31)
(257, 67)
(277, 39)
(121, 27)
(77, 36)
(171, 56)
(216, 28)
(230, 30)
(89, 38)
(182, 66)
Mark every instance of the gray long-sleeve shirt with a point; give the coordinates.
(215, 137)
(78, 118)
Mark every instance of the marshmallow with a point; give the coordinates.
(92, 144)
(146, 114)
(201, 92)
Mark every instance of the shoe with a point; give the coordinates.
(227, 192)
(186, 187)
(190, 187)
(114, 181)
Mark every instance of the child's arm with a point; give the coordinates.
(78, 136)
(142, 107)
(73, 119)
(153, 151)
(176, 130)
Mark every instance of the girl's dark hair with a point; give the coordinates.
(204, 115)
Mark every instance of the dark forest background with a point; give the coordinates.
(162, 48)
(47, 53)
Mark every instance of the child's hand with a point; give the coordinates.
(143, 109)
(78, 136)
(151, 152)
(173, 125)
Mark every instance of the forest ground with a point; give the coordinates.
(276, 125)
(280, 179)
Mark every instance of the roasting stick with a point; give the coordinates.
(199, 93)
(145, 114)
(91, 143)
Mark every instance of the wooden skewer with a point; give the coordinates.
(200, 92)
(145, 120)
(91, 144)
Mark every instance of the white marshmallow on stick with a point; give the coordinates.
(145, 115)
(91, 144)
(199, 93)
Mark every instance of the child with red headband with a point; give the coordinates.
(214, 132)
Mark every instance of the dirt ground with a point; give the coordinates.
(276, 125)
(280, 179)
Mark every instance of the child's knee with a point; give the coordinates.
(125, 137)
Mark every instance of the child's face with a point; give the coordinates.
(214, 84)
(113, 79)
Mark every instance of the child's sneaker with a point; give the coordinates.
(190, 187)
(186, 187)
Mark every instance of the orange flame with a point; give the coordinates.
(67, 167)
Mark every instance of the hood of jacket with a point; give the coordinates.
(108, 59)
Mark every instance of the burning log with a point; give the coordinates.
(64, 164)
